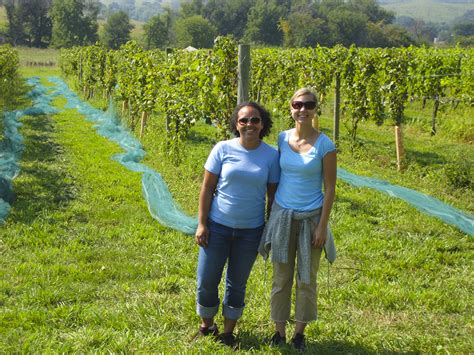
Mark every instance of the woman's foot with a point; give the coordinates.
(298, 342)
(227, 339)
(277, 339)
(205, 331)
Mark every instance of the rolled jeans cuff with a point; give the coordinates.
(206, 312)
(230, 312)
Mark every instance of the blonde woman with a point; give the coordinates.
(298, 224)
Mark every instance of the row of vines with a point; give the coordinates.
(9, 76)
(183, 87)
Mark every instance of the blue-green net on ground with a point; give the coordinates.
(11, 146)
(422, 202)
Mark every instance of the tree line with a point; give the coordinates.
(288, 23)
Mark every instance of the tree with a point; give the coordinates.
(228, 16)
(380, 35)
(195, 31)
(157, 31)
(74, 22)
(372, 10)
(192, 8)
(117, 30)
(347, 27)
(304, 30)
(28, 22)
(263, 23)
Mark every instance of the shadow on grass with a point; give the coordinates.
(248, 341)
(424, 158)
(198, 137)
(44, 183)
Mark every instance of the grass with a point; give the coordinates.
(430, 10)
(85, 268)
(3, 18)
(29, 55)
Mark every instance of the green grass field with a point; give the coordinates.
(3, 18)
(86, 269)
(430, 10)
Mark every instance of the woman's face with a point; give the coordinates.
(300, 111)
(249, 123)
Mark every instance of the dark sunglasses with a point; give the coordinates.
(309, 105)
(252, 120)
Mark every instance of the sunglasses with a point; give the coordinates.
(309, 105)
(245, 120)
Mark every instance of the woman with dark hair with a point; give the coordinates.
(298, 225)
(238, 174)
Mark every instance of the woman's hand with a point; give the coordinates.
(319, 237)
(202, 235)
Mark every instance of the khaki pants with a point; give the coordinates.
(283, 274)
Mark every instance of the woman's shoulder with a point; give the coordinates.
(286, 133)
(325, 142)
(226, 143)
(268, 148)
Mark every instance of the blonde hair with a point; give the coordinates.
(304, 91)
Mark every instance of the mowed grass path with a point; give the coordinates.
(85, 268)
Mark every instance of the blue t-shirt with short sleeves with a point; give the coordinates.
(239, 199)
(301, 179)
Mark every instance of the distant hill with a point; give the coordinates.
(429, 10)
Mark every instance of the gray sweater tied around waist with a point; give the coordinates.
(276, 236)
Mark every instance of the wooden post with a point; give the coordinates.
(244, 73)
(143, 123)
(433, 118)
(124, 106)
(337, 108)
(399, 146)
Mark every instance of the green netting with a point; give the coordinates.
(422, 202)
(11, 145)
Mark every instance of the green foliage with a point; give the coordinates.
(117, 30)
(10, 83)
(184, 87)
(262, 23)
(229, 16)
(74, 23)
(188, 87)
(194, 31)
(29, 22)
(157, 31)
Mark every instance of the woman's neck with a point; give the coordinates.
(249, 144)
(304, 131)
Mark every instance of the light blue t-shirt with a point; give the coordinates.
(301, 179)
(239, 199)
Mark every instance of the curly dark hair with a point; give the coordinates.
(264, 115)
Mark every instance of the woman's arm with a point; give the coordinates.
(329, 179)
(271, 190)
(205, 199)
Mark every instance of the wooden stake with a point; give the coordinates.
(337, 105)
(243, 73)
(399, 146)
(124, 106)
(433, 117)
(143, 123)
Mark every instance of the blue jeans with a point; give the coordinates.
(237, 247)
